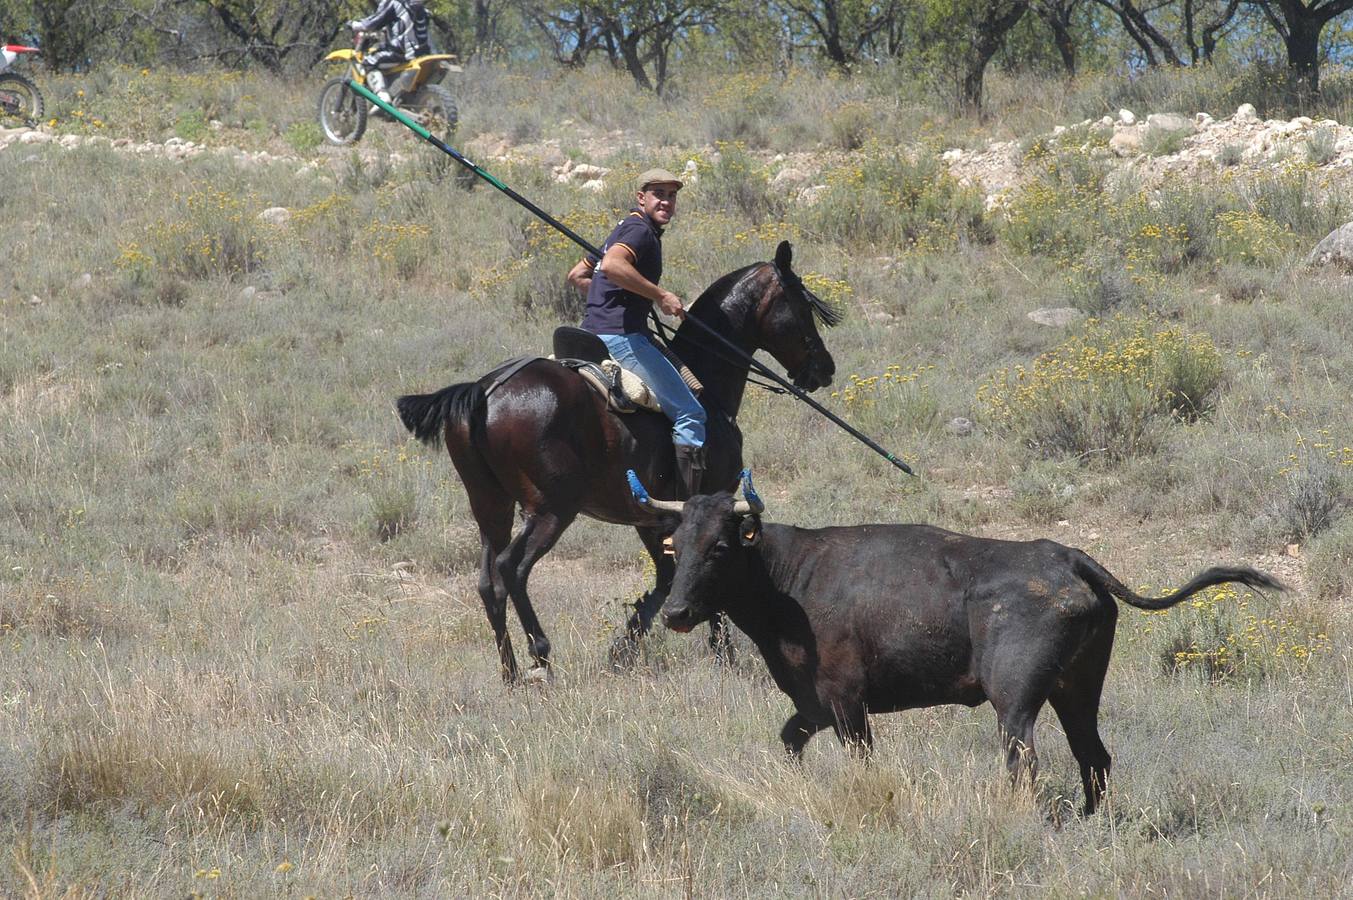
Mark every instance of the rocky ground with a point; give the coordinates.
(1150, 149)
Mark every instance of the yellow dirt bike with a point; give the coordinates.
(343, 112)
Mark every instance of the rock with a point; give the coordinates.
(952, 156)
(275, 215)
(1168, 122)
(1202, 120)
(551, 155)
(596, 185)
(1292, 550)
(70, 141)
(1058, 129)
(1335, 249)
(588, 172)
(1245, 113)
(787, 178)
(35, 137)
(1107, 120)
(83, 283)
(959, 426)
(247, 292)
(1127, 117)
(1126, 142)
(1056, 317)
(812, 194)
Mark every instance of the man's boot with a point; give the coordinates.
(375, 82)
(691, 467)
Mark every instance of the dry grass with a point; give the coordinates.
(241, 648)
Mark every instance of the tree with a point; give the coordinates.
(988, 30)
(275, 32)
(640, 36)
(1202, 22)
(1299, 25)
(841, 29)
(1058, 15)
(570, 31)
(66, 30)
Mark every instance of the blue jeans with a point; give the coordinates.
(637, 353)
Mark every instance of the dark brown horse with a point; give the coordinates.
(543, 439)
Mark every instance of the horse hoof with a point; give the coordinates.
(536, 675)
(624, 654)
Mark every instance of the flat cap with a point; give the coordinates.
(658, 176)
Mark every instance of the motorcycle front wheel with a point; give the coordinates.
(20, 101)
(342, 112)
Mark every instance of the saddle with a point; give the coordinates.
(585, 353)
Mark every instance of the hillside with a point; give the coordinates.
(242, 649)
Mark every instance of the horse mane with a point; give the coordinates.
(724, 285)
(790, 280)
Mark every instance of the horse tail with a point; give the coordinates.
(428, 415)
(1097, 575)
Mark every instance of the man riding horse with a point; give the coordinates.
(622, 288)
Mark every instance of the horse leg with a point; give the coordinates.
(625, 649)
(494, 595)
(539, 533)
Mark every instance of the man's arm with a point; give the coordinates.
(382, 17)
(619, 266)
(580, 276)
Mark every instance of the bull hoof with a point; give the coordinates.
(624, 654)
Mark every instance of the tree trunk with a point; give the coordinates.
(991, 29)
(1303, 57)
(1059, 20)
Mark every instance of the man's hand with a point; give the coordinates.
(670, 304)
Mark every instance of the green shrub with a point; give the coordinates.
(890, 401)
(1165, 141)
(1329, 568)
(1310, 498)
(217, 234)
(191, 125)
(1322, 145)
(1228, 632)
(887, 198)
(1110, 390)
(1043, 492)
(736, 183)
(849, 125)
(304, 136)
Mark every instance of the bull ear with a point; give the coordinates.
(749, 531)
(784, 254)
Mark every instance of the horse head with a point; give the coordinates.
(786, 317)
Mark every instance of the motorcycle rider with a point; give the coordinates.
(406, 36)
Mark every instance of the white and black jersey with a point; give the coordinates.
(406, 30)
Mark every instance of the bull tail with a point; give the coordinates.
(1100, 577)
(428, 415)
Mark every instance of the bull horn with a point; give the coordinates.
(752, 505)
(642, 497)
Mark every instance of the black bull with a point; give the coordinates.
(880, 618)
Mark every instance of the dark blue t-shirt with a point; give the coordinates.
(614, 310)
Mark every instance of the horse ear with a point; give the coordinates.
(784, 254)
(749, 531)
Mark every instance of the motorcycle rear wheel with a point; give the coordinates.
(436, 108)
(342, 112)
(20, 100)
